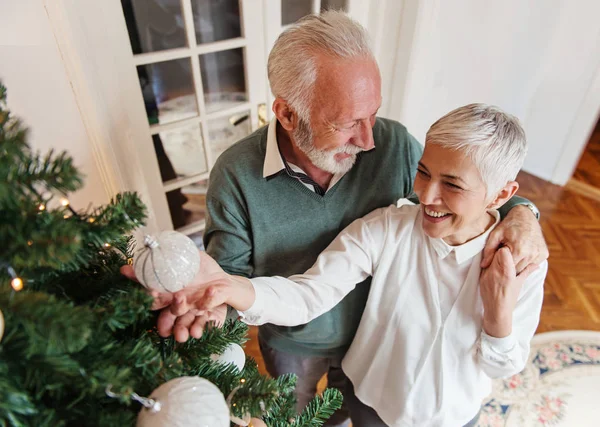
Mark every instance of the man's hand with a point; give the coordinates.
(500, 287)
(521, 233)
(179, 315)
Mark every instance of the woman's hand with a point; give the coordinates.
(500, 287)
(179, 315)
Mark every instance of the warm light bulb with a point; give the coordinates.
(42, 207)
(64, 202)
(17, 284)
(107, 245)
(243, 380)
(90, 220)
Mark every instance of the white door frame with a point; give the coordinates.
(579, 135)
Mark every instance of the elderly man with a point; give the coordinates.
(280, 196)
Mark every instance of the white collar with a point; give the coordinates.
(467, 250)
(273, 161)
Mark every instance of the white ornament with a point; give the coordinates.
(1, 325)
(167, 263)
(233, 354)
(186, 402)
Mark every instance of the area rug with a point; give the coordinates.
(559, 387)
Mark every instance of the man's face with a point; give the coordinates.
(347, 95)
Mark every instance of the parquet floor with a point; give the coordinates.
(588, 169)
(571, 224)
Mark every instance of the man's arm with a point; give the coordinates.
(518, 201)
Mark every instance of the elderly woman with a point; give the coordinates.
(436, 329)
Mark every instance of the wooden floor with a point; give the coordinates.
(571, 224)
(588, 169)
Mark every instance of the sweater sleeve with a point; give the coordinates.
(227, 237)
(503, 357)
(415, 152)
(348, 260)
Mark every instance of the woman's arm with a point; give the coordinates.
(512, 305)
(348, 260)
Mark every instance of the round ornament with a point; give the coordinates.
(257, 422)
(1, 325)
(167, 263)
(233, 355)
(186, 402)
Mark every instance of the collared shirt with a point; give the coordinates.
(275, 162)
(420, 356)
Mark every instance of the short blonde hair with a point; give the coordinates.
(494, 140)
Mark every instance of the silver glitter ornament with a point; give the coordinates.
(186, 402)
(167, 263)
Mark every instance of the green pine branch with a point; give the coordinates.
(79, 327)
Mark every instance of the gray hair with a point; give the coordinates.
(493, 140)
(292, 68)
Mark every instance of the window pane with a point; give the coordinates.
(225, 131)
(183, 148)
(188, 204)
(168, 90)
(292, 10)
(223, 79)
(216, 20)
(154, 25)
(334, 4)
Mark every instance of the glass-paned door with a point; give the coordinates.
(201, 72)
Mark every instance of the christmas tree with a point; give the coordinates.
(78, 343)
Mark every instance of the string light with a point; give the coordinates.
(41, 207)
(107, 245)
(243, 380)
(29, 242)
(64, 201)
(17, 283)
(90, 220)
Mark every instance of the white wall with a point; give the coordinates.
(40, 93)
(537, 59)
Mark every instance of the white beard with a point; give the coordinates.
(324, 159)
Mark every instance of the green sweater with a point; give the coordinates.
(275, 226)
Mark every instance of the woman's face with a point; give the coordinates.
(452, 195)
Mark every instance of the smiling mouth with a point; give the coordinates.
(435, 216)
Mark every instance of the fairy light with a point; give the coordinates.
(42, 207)
(243, 380)
(17, 283)
(64, 201)
(107, 245)
(29, 242)
(91, 220)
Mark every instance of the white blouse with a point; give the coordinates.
(420, 356)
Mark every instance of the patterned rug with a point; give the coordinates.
(559, 387)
